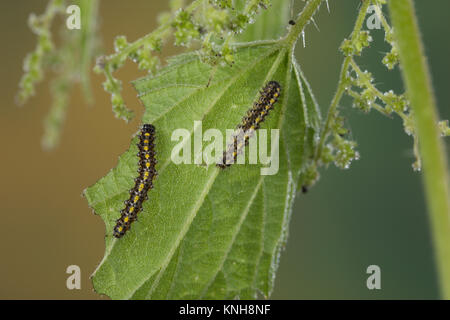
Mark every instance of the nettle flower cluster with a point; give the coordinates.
(69, 62)
(359, 85)
(207, 25)
(35, 61)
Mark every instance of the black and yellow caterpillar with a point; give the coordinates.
(251, 122)
(143, 183)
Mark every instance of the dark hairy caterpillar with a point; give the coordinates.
(251, 122)
(143, 183)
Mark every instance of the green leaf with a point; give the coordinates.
(205, 232)
(271, 23)
(311, 113)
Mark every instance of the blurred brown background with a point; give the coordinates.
(373, 213)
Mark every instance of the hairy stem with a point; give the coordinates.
(342, 83)
(302, 20)
(420, 93)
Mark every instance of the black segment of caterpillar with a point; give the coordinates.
(251, 122)
(143, 183)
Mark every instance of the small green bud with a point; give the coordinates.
(45, 43)
(120, 43)
(362, 40)
(228, 55)
(222, 3)
(390, 60)
(345, 153)
(310, 176)
(239, 23)
(327, 154)
(389, 36)
(185, 29)
(117, 100)
(347, 48)
(112, 85)
(408, 125)
(364, 79)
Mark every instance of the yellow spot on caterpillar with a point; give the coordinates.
(147, 156)
(234, 154)
(131, 209)
(136, 198)
(126, 219)
(146, 148)
(258, 119)
(145, 141)
(276, 94)
(268, 107)
(272, 100)
(147, 134)
(120, 229)
(147, 164)
(141, 187)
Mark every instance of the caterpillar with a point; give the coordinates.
(143, 183)
(251, 122)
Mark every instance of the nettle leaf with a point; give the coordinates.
(270, 22)
(205, 232)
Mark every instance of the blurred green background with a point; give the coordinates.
(373, 213)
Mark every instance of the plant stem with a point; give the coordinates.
(302, 20)
(161, 31)
(418, 85)
(342, 83)
(87, 43)
(380, 15)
